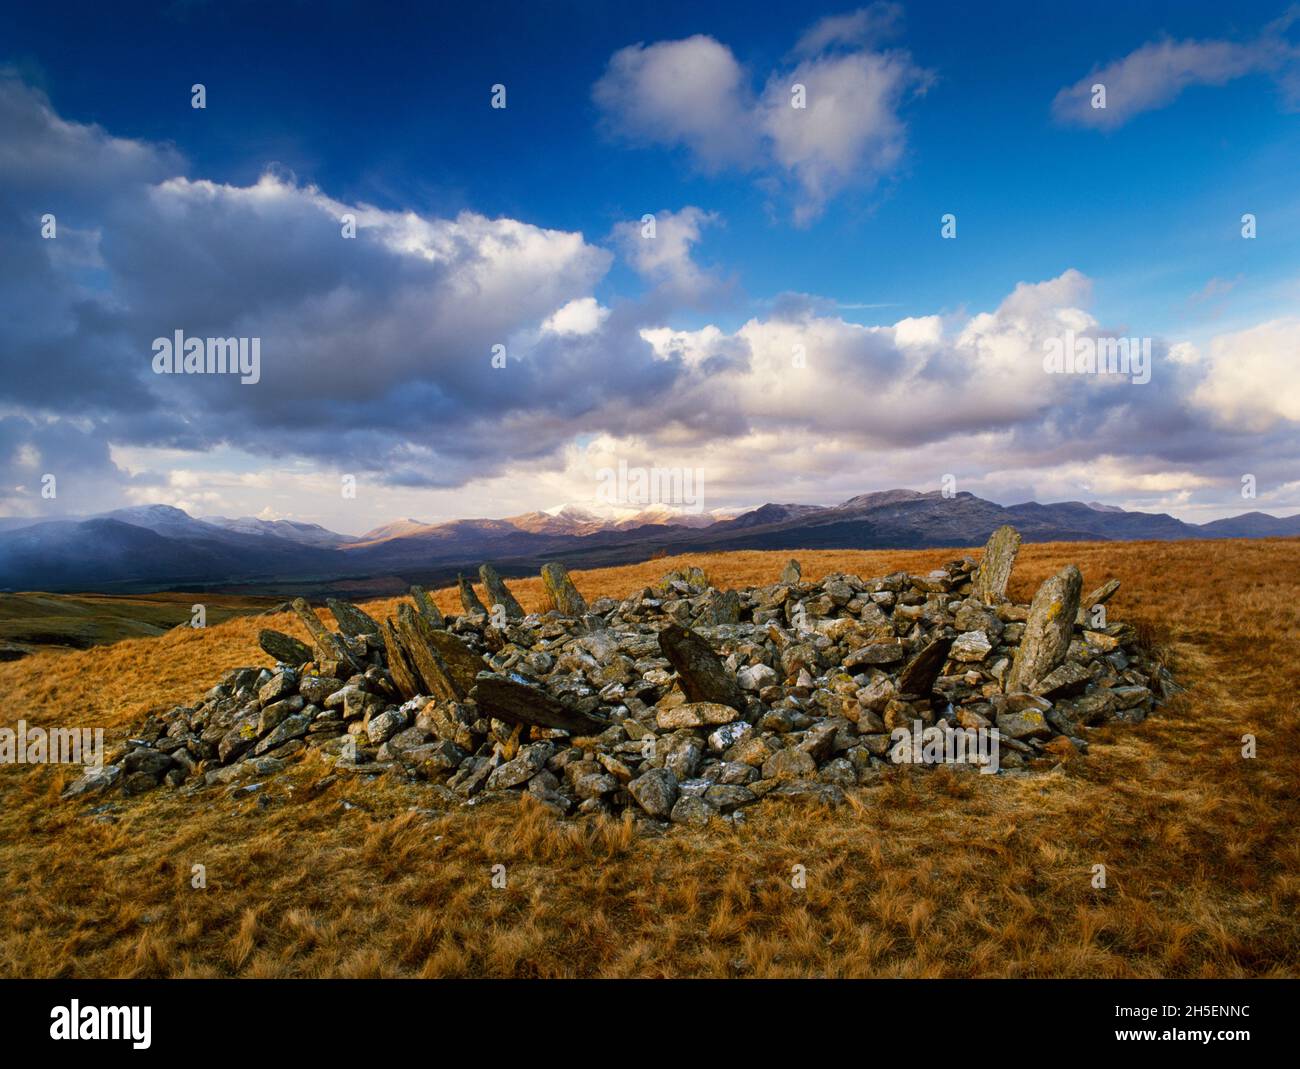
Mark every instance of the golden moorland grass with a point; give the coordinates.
(931, 874)
(32, 622)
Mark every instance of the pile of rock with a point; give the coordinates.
(681, 702)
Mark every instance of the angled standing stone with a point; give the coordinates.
(426, 607)
(411, 630)
(1047, 630)
(924, 668)
(468, 599)
(352, 621)
(704, 678)
(1103, 593)
(1099, 596)
(791, 573)
(499, 593)
(328, 644)
(283, 648)
(405, 675)
(995, 565)
(560, 589)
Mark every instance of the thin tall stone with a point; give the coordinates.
(918, 678)
(499, 593)
(994, 571)
(425, 606)
(404, 672)
(1099, 596)
(468, 599)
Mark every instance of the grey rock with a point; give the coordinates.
(887, 652)
(292, 727)
(1023, 724)
(971, 647)
(695, 715)
(656, 792)
(789, 765)
(725, 796)
(146, 759)
(280, 685)
(522, 703)
(725, 737)
(93, 781)
(923, 669)
(317, 688)
(530, 761)
(593, 784)
(839, 772)
(682, 755)
(756, 676)
(702, 676)
(692, 810)
(1064, 681)
(385, 725)
(275, 713)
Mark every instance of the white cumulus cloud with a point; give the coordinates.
(694, 93)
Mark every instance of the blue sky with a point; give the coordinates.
(385, 106)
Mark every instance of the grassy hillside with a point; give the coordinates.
(929, 875)
(61, 622)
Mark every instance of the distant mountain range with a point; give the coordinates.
(157, 547)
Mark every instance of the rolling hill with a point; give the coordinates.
(158, 547)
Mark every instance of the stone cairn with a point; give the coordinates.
(680, 703)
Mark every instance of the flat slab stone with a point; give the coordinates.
(283, 648)
(563, 595)
(521, 703)
(703, 677)
(352, 620)
(1048, 630)
(924, 668)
